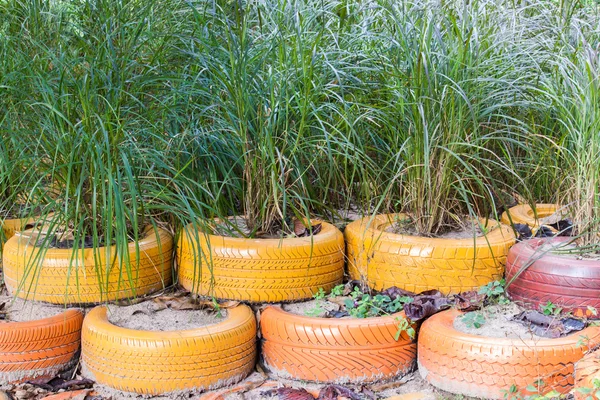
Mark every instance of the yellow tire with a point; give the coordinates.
(60, 277)
(261, 270)
(524, 214)
(10, 226)
(156, 363)
(414, 263)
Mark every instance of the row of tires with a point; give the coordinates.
(273, 270)
(298, 347)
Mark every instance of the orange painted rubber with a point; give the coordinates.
(587, 375)
(335, 350)
(39, 348)
(485, 367)
(154, 363)
(57, 276)
(261, 270)
(414, 263)
(524, 214)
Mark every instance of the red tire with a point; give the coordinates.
(480, 366)
(335, 350)
(565, 281)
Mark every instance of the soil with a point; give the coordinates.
(498, 324)
(145, 316)
(411, 384)
(466, 230)
(19, 310)
(554, 218)
(238, 228)
(313, 308)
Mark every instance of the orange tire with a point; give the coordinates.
(60, 277)
(335, 350)
(156, 363)
(524, 214)
(587, 377)
(485, 367)
(414, 263)
(261, 270)
(39, 348)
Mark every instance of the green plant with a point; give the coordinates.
(550, 309)
(473, 319)
(338, 290)
(318, 309)
(495, 292)
(404, 326)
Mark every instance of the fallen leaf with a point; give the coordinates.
(469, 301)
(73, 395)
(337, 392)
(293, 394)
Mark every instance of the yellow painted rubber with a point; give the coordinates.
(156, 363)
(10, 226)
(58, 277)
(414, 263)
(261, 270)
(524, 214)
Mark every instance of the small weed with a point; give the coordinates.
(474, 320)
(338, 290)
(404, 326)
(495, 292)
(550, 309)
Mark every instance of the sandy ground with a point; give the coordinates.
(145, 316)
(18, 310)
(498, 324)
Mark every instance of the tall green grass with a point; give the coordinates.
(171, 112)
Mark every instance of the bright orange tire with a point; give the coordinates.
(261, 270)
(156, 363)
(39, 348)
(335, 350)
(524, 214)
(55, 278)
(587, 377)
(485, 367)
(418, 263)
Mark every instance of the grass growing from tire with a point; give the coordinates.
(177, 111)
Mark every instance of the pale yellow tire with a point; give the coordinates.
(155, 363)
(261, 270)
(56, 276)
(384, 259)
(524, 214)
(10, 226)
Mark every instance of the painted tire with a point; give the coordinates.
(524, 214)
(567, 282)
(156, 363)
(261, 270)
(58, 279)
(418, 263)
(479, 366)
(335, 350)
(39, 348)
(587, 370)
(10, 226)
